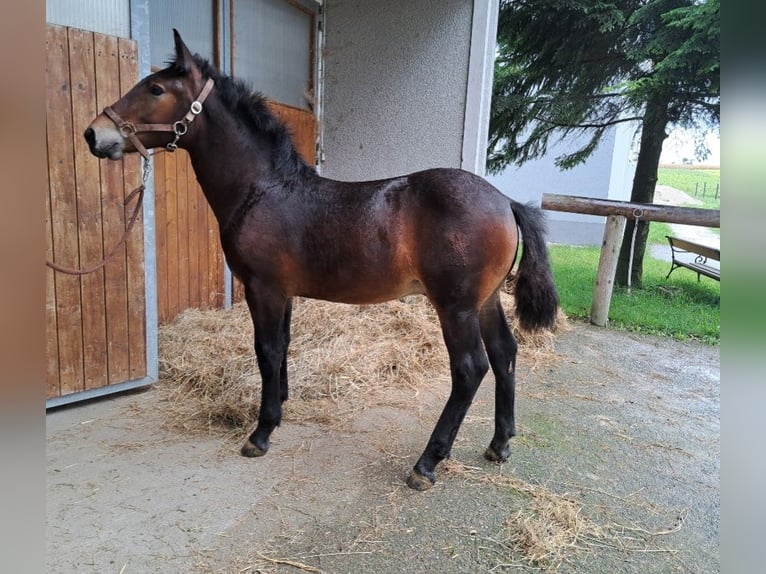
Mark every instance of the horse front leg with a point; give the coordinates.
(468, 365)
(268, 311)
(283, 386)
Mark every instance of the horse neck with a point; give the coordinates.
(227, 162)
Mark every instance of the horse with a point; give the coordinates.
(288, 232)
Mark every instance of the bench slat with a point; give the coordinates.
(705, 252)
(711, 272)
(691, 247)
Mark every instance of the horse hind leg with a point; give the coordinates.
(468, 365)
(501, 349)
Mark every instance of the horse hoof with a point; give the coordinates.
(493, 456)
(417, 481)
(250, 450)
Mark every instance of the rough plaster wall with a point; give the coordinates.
(607, 174)
(395, 85)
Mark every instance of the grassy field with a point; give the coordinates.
(678, 307)
(694, 182)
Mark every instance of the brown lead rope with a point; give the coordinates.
(129, 130)
(139, 191)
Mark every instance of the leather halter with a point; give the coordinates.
(179, 128)
(129, 130)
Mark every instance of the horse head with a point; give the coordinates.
(156, 112)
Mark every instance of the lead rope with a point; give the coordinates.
(637, 213)
(133, 217)
(129, 130)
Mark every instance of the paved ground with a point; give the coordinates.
(620, 428)
(703, 235)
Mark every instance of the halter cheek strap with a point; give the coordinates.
(179, 128)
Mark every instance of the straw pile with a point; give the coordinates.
(340, 357)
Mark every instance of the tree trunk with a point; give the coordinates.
(644, 183)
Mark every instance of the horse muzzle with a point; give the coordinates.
(104, 142)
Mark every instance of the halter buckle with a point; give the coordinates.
(180, 128)
(196, 107)
(127, 129)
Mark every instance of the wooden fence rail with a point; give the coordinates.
(649, 211)
(617, 213)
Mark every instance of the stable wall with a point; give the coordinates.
(395, 82)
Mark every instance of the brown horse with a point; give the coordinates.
(286, 232)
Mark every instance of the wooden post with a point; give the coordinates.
(607, 264)
(617, 213)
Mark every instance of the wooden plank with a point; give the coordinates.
(202, 243)
(63, 203)
(692, 247)
(649, 211)
(135, 279)
(161, 235)
(83, 80)
(171, 223)
(52, 387)
(113, 216)
(208, 273)
(302, 127)
(607, 265)
(215, 266)
(195, 233)
(182, 207)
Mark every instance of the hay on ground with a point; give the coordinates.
(339, 353)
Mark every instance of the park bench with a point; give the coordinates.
(699, 264)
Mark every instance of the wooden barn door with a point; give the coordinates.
(189, 257)
(190, 263)
(95, 323)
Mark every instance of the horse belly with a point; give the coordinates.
(359, 286)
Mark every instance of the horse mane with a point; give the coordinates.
(250, 107)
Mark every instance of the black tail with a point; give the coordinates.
(536, 297)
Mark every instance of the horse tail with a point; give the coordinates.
(535, 293)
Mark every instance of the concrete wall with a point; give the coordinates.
(607, 174)
(395, 79)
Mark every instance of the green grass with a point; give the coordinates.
(678, 307)
(693, 180)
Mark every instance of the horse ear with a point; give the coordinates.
(184, 57)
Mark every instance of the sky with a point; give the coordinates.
(679, 145)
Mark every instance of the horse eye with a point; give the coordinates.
(156, 90)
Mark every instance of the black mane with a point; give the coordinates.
(250, 107)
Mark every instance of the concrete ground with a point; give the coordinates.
(621, 428)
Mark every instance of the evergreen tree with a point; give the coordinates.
(579, 67)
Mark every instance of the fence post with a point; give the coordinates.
(607, 265)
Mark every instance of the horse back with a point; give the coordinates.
(366, 242)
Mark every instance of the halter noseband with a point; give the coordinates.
(179, 128)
